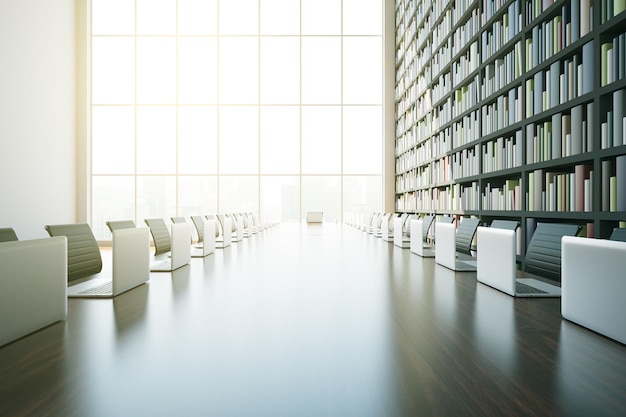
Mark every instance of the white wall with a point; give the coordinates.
(37, 115)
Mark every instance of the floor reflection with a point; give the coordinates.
(494, 327)
(588, 384)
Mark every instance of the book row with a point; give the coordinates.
(613, 126)
(613, 195)
(502, 31)
(570, 190)
(502, 71)
(563, 81)
(565, 134)
(613, 58)
(560, 191)
(610, 9)
(552, 36)
(577, 15)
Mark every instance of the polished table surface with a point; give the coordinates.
(313, 320)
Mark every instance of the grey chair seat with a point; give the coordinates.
(543, 255)
(618, 234)
(505, 224)
(465, 235)
(83, 254)
(7, 234)
(160, 236)
(120, 224)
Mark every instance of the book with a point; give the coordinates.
(538, 190)
(537, 92)
(613, 193)
(589, 193)
(588, 66)
(530, 152)
(590, 131)
(618, 117)
(606, 174)
(609, 129)
(620, 175)
(556, 136)
(604, 54)
(555, 72)
(581, 173)
(551, 194)
(585, 17)
(575, 20)
(577, 123)
(618, 6)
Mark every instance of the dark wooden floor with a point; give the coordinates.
(313, 320)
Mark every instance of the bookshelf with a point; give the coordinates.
(512, 109)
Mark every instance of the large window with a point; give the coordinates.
(204, 106)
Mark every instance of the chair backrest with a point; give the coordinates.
(373, 220)
(83, 254)
(406, 226)
(198, 221)
(160, 235)
(379, 223)
(427, 221)
(465, 234)
(233, 219)
(402, 217)
(120, 224)
(543, 255)
(618, 234)
(7, 234)
(392, 222)
(447, 219)
(246, 221)
(178, 220)
(219, 229)
(505, 224)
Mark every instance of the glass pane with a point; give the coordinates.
(280, 198)
(321, 70)
(362, 17)
(239, 194)
(113, 71)
(156, 198)
(239, 140)
(197, 140)
(112, 17)
(239, 68)
(321, 140)
(197, 17)
(362, 140)
(362, 70)
(280, 70)
(113, 140)
(321, 17)
(280, 140)
(197, 196)
(280, 17)
(197, 70)
(156, 70)
(322, 194)
(113, 198)
(156, 17)
(362, 194)
(156, 140)
(239, 17)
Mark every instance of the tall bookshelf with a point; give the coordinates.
(512, 109)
